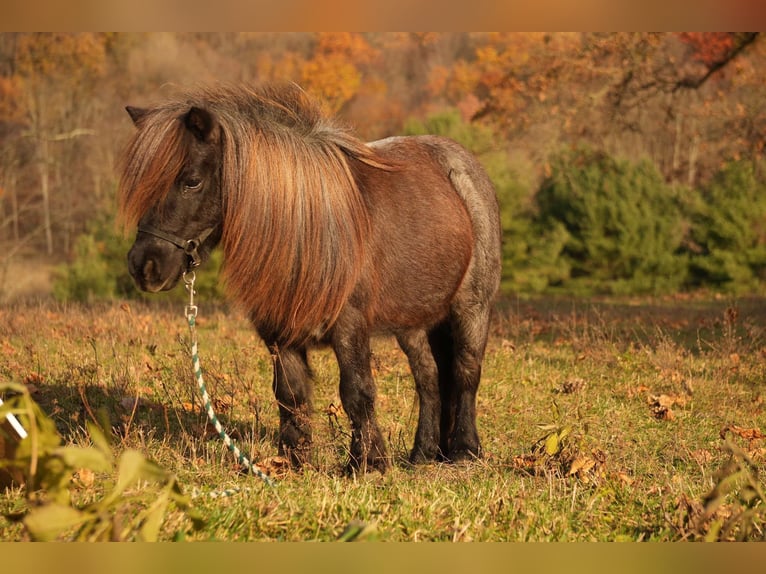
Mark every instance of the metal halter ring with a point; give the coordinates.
(189, 246)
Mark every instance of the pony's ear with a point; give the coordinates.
(136, 114)
(201, 123)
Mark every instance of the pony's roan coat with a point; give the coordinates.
(326, 239)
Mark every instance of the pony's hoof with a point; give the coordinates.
(463, 455)
(419, 456)
(354, 466)
(299, 457)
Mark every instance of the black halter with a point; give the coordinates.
(190, 246)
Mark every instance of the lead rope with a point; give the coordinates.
(191, 317)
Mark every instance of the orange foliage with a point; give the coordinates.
(708, 47)
(333, 79)
(11, 109)
(284, 67)
(61, 54)
(334, 73)
(347, 44)
(508, 73)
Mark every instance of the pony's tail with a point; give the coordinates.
(472, 184)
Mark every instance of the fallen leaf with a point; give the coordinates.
(84, 477)
(523, 462)
(661, 405)
(274, 466)
(572, 386)
(581, 464)
(702, 456)
(623, 476)
(750, 434)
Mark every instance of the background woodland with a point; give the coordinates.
(625, 163)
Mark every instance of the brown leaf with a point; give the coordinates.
(660, 405)
(186, 406)
(625, 478)
(581, 465)
(275, 466)
(702, 456)
(32, 381)
(84, 477)
(750, 434)
(524, 462)
(572, 385)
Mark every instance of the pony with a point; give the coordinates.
(326, 241)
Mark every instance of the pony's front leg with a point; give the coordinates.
(351, 344)
(292, 389)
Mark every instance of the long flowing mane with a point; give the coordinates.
(294, 221)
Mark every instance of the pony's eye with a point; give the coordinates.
(192, 184)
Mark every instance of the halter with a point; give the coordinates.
(189, 246)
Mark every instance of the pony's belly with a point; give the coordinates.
(420, 293)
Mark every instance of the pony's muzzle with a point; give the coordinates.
(152, 270)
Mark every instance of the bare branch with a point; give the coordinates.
(77, 132)
(689, 83)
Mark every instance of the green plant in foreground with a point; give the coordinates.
(737, 482)
(561, 450)
(49, 471)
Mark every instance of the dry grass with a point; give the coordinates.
(600, 421)
(24, 277)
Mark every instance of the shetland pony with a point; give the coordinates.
(326, 239)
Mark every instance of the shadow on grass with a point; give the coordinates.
(693, 322)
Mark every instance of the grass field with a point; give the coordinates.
(600, 420)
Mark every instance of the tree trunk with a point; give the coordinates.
(676, 167)
(693, 152)
(45, 190)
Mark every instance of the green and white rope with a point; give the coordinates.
(191, 314)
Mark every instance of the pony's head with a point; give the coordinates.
(170, 187)
(262, 171)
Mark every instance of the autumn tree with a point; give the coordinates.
(11, 122)
(656, 95)
(53, 85)
(688, 104)
(334, 72)
(691, 87)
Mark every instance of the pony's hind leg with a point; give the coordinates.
(351, 344)
(469, 326)
(416, 346)
(292, 389)
(442, 348)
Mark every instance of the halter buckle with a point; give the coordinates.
(190, 248)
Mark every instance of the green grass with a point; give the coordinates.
(600, 420)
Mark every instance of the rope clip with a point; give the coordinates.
(191, 309)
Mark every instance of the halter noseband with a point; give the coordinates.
(189, 246)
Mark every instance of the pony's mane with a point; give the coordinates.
(294, 224)
(150, 162)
